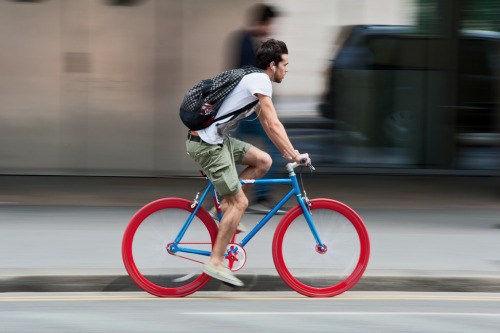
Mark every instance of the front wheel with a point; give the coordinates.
(327, 269)
(146, 247)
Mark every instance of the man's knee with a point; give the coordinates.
(268, 162)
(243, 201)
(258, 159)
(239, 200)
(265, 161)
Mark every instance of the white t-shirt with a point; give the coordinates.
(242, 95)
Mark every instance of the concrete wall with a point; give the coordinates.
(89, 88)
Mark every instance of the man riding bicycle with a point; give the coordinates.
(218, 153)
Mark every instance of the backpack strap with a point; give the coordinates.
(237, 112)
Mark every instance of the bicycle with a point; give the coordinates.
(320, 247)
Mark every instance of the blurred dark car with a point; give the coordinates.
(383, 84)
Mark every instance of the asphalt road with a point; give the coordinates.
(428, 233)
(461, 246)
(250, 312)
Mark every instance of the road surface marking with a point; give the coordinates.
(243, 296)
(340, 313)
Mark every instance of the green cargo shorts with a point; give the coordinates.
(219, 162)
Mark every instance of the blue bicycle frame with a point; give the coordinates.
(292, 180)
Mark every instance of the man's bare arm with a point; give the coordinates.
(276, 131)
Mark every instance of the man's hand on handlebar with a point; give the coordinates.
(302, 159)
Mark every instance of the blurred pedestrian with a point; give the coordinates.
(261, 17)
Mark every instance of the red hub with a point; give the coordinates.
(321, 251)
(168, 248)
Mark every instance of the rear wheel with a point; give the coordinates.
(146, 247)
(329, 269)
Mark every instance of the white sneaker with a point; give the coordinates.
(224, 275)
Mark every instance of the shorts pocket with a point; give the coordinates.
(206, 156)
(225, 179)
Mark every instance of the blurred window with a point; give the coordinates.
(383, 50)
(404, 52)
(480, 15)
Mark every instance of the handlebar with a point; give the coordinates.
(293, 165)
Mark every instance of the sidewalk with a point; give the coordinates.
(427, 233)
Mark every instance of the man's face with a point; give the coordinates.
(281, 69)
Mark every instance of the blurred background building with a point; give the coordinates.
(93, 87)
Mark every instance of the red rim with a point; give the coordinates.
(128, 258)
(338, 288)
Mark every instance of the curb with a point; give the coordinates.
(107, 283)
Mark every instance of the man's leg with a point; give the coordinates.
(235, 206)
(258, 163)
(221, 169)
(254, 131)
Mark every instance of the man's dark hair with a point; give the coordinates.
(269, 51)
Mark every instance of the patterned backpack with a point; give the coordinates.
(201, 103)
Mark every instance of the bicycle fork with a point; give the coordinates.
(305, 204)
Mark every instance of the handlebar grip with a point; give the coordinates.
(303, 161)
